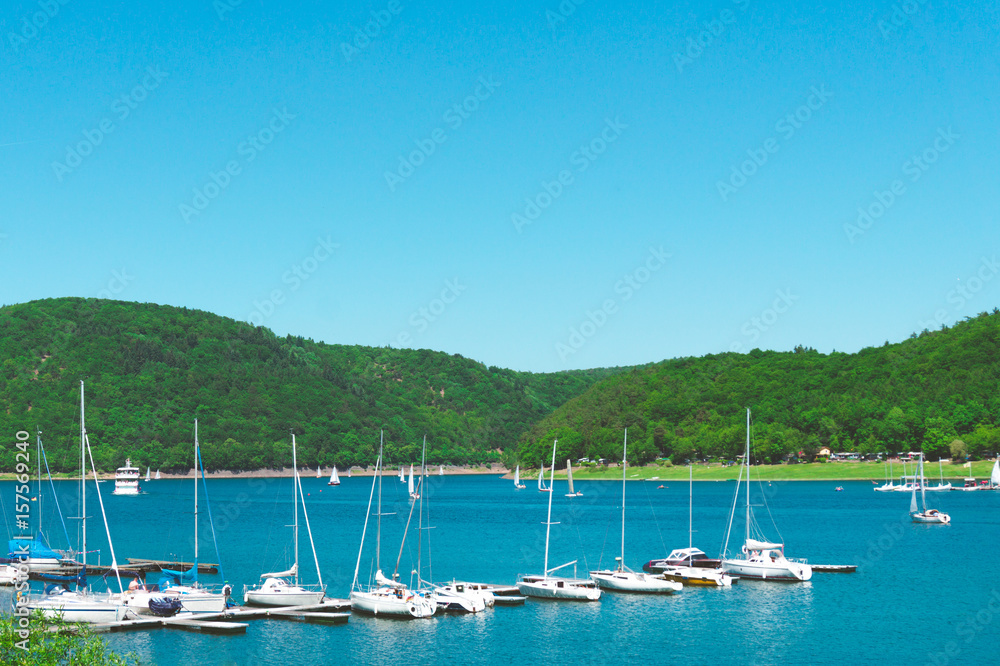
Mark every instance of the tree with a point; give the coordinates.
(81, 647)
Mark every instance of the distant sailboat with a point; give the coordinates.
(995, 475)
(569, 476)
(319, 472)
(147, 474)
(409, 486)
(441, 470)
(157, 477)
(402, 475)
(541, 480)
(349, 472)
(334, 479)
(517, 478)
(925, 515)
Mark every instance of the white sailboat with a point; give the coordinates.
(759, 558)
(276, 588)
(81, 605)
(517, 478)
(157, 477)
(440, 470)
(547, 586)
(334, 479)
(409, 486)
(621, 578)
(385, 597)
(147, 474)
(888, 486)
(995, 475)
(569, 477)
(541, 480)
(929, 516)
(402, 474)
(319, 472)
(941, 486)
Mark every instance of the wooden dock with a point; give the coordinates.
(227, 622)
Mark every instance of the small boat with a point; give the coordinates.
(319, 472)
(541, 480)
(334, 479)
(127, 479)
(157, 476)
(927, 516)
(547, 586)
(409, 486)
(440, 470)
(569, 477)
(621, 578)
(760, 559)
(699, 576)
(402, 475)
(888, 486)
(682, 557)
(517, 478)
(839, 489)
(147, 474)
(942, 486)
(995, 475)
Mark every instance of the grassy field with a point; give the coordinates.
(835, 471)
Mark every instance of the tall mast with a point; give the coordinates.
(83, 479)
(548, 521)
(378, 531)
(747, 454)
(420, 514)
(38, 487)
(690, 503)
(196, 457)
(923, 492)
(621, 565)
(295, 508)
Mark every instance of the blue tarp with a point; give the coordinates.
(170, 577)
(36, 548)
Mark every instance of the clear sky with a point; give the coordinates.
(540, 187)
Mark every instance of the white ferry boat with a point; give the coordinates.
(127, 479)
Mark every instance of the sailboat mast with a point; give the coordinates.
(923, 492)
(378, 530)
(420, 513)
(621, 565)
(38, 487)
(295, 508)
(747, 455)
(690, 504)
(83, 479)
(197, 455)
(548, 521)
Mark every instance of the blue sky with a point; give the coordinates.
(541, 187)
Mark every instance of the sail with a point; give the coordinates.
(157, 474)
(409, 482)
(319, 472)
(441, 470)
(517, 476)
(147, 474)
(569, 475)
(541, 473)
(402, 475)
(995, 476)
(282, 574)
(382, 580)
(334, 479)
(753, 544)
(913, 499)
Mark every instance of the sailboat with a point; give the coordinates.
(546, 586)
(157, 477)
(334, 479)
(941, 486)
(319, 472)
(276, 589)
(517, 478)
(183, 585)
(81, 605)
(409, 486)
(931, 516)
(541, 481)
(440, 470)
(621, 578)
(402, 475)
(386, 597)
(147, 474)
(691, 571)
(759, 558)
(569, 476)
(888, 486)
(995, 475)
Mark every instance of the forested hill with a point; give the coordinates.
(149, 370)
(923, 393)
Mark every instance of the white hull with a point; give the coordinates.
(780, 570)
(290, 598)
(932, 519)
(559, 588)
(449, 598)
(629, 581)
(384, 602)
(128, 490)
(73, 607)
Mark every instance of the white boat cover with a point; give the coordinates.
(382, 580)
(281, 574)
(753, 544)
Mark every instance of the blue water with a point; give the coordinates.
(923, 593)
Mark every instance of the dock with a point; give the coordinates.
(834, 568)
(228, 622)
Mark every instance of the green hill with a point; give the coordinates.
(151, 369)
(921, 394)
